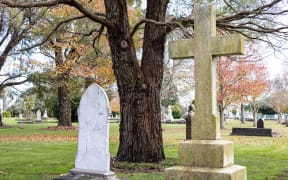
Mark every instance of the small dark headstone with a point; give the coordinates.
(260, 123)
(252, 132)
(188, 120)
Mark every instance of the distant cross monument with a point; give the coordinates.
(206, 150)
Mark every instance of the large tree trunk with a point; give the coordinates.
(221, 114)
(254, 118)
(63, 94)
(254, 111)
(242, 118)
(1, 123)
(138, 86)
(64, 106)
(280, 117)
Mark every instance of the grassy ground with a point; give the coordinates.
(32, 153)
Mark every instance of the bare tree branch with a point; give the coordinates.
(170, 23)
(8, 81)
(245, 14)
(53, 31)
(73, 3)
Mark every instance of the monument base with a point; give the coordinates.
(233, 172)
(206, 160)
(206, 153)
(83, 174)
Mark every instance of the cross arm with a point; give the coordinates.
(227, 45)
(181, 49)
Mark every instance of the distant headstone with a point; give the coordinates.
(20, 116)
(38, 116)
(260, 123)
(45, 116)
(28, 115)
(252, 132)
(169, 117)
(92, 159)
(188, 120)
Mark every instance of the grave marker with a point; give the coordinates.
(206, 156)
(260, 123)
(45, 116)
(93, 158)
(38, 116)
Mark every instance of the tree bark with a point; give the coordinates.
(64, 106)
(280, 117)
(1, 122)
(254, 117)
(138, 85)
(242, 118)
(63, 94)
(221, 114)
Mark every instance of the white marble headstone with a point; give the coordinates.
(20, 116)
(45, 116)
(93, 133)
(169, 115)
(38, 115)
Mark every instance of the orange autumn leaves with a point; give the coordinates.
(85, 62)
(85, 65)
(238, 80)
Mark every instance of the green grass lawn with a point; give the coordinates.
(33, 153)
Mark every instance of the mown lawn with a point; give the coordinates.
(35, 153)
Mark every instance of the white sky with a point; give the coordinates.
(274, 66)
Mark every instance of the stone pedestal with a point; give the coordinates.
(205, 160)
(232, 172)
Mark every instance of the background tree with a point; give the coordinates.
(139, 84)
(15, 33)
(278, 98)
(68, 49)
(257, 86)
(239, 79)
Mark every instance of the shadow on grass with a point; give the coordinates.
(141, 171)
(130, 168)
(282, 176)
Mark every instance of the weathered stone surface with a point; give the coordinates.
(206, 157)
(206, 153)
(182, 48)
(233, 172)
(227, 45)
(93, 131)
(92, 159)
(203, 47)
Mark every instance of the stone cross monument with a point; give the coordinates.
(206, 156)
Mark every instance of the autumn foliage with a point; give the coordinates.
(240, 80)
